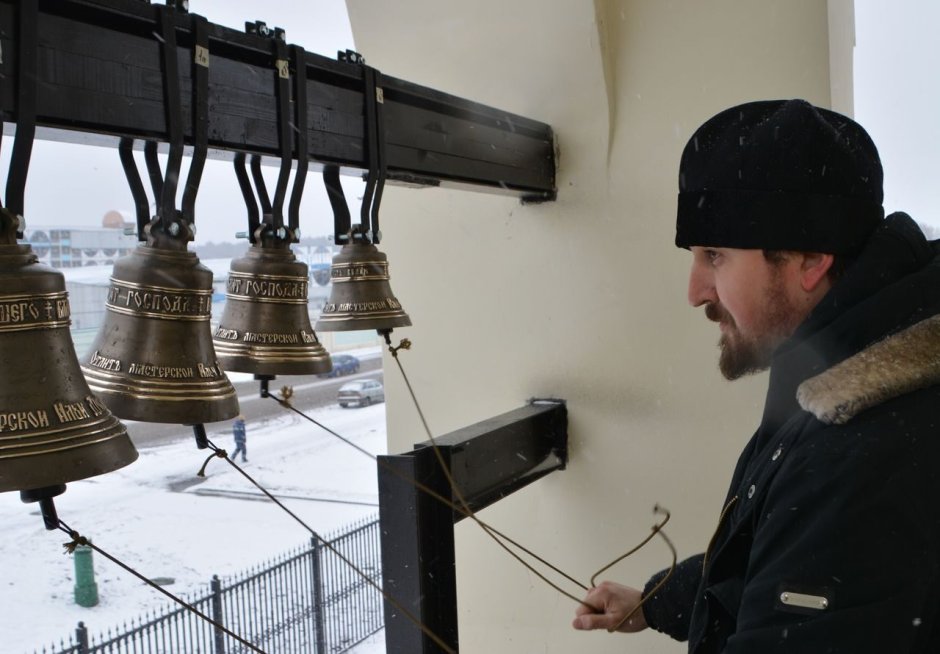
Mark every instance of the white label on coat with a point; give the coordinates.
(804, 601)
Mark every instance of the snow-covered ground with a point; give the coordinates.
(148, 516)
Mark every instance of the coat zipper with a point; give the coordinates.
(721, 521)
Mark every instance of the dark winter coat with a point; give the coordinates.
(829, 540)
(238, 431)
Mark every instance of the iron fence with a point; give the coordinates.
(308, 601)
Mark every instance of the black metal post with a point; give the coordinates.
(216, 586)
(417, 537)
(319, 604)
(81, 635)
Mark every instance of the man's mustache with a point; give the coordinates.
(717, 313)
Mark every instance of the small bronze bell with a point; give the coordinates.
(362, 297)
(52, 429)
(265, 328)
(153, 358)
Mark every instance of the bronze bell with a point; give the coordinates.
(153, 359)
(361, 297)
(265, 328)
(52, 429)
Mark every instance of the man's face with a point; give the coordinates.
(752, 301)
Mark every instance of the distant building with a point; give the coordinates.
(72, 247)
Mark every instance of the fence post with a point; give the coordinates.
(319, 605)
(81, 635)
(216, 586)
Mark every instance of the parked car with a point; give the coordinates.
(343, 364)
(362, 392)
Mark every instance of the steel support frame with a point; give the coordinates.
(99, 79)
(488, 461)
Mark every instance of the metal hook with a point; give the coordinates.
(341, 218)
(285, 139)
(166, 201)
(27, 35)
(299, 58)
(251, 203)
(270, 223)
(200, 111)
(141, 205)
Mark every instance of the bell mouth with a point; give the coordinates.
(43, 457)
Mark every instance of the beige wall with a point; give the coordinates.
(841, 55)
(583, 298)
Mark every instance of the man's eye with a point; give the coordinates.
(712, 255)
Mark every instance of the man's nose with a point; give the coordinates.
(701, 287)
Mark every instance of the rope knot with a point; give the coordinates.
(77, 540)
(219, 452)
(405, 344)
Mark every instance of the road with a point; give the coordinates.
(310, 392)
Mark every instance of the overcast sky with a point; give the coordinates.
(896, 98)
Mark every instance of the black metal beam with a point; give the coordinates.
(487, 461)
(418, 561)
(99, 79)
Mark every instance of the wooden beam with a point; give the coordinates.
(100, 79)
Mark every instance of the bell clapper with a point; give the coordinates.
(46, 506)
(202, 440)
(263, 384)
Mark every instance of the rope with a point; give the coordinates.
(405, 344)
(464, 509)
(440, 498)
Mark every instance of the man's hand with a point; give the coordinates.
(610, 602)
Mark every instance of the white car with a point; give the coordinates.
(362, 392)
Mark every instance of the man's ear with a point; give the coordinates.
(813, 270)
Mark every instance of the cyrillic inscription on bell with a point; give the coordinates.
(265, 327)
(362, 297)
(52, 429)
(153, 358)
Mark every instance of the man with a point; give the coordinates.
(829, 539)
(241, 438)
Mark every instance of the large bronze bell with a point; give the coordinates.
(52, 429)
(265, 328)
(361, 297)
(153, 358)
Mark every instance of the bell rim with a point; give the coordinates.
(110, 426)
(229, 350)
(103, 382)
(356, 323)
(258, 366)
(113, 451)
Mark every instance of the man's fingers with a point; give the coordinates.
(593, 621)
(586, 608)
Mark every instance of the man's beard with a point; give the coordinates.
(742, 355)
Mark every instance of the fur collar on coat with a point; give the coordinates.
(901, 363)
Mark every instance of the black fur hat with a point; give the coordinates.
(779, 175)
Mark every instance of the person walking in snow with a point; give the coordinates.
(241, 438)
